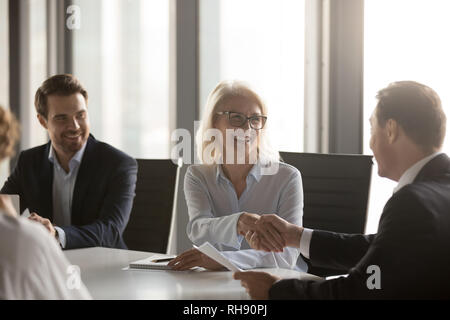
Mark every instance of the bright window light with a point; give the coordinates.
(121, 55)
(260, 42)
(403, 40)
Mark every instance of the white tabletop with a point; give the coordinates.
(102, 273)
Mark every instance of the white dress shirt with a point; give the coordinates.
(63, 186)
(32, 266)
(214, 211)
(407, 178)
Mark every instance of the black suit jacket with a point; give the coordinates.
(102, 197)
(411, 248)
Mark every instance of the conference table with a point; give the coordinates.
(105, 273)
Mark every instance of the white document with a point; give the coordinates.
(214, 254)
(26, 213)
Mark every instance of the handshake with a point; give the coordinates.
(268, 232)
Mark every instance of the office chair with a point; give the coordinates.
(336, 191)
(151, 220)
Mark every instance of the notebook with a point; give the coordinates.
(205, 248)
(148, 263)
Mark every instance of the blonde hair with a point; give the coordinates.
(224, 91)
(9, 133)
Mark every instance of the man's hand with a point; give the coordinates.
(290, 233)
(45, 222)
(257, 284)
(194, 258)
(249, 223)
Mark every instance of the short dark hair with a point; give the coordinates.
(417, 109)
(62, 85)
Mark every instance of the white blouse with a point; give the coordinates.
(214, 210)
(32, 265)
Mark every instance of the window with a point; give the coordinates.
(34, 59)
(404, 40)
(4, 54)
(262, 43)
(32, 134)
(121, 55)
(4, 71)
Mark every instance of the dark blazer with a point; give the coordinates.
(411, 248)
(102, 197)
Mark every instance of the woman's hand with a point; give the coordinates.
(249, 224)
(194, 258)
(290, 233)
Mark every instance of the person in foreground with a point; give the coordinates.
(32, 266)
(240, 180)
(409, 257)
(79, 188)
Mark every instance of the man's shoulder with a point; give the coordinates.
(421, 201)
(34, 152)
(435, 187)
(109, 153)
(432, 192)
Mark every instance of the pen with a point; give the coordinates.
(163, 260)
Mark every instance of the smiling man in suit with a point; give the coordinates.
(409, 257)
(79, 188)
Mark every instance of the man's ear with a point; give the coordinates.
(393, 132)
(42, 121)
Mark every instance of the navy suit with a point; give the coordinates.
(102, 197)
(411, 248)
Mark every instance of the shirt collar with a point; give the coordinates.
(75, 161)
(409, 175)
(255, 172)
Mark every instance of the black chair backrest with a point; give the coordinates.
(150, 221)
(336, 191)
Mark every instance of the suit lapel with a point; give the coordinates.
(46, 182)
(83, 180)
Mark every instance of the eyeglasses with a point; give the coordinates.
(237, 119)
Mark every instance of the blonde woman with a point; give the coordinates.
(240, 179)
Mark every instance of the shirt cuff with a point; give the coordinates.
(61, 237)
(305, 242)
(224, 231)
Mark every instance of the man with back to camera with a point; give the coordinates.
(79, 188)
(409, 257)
